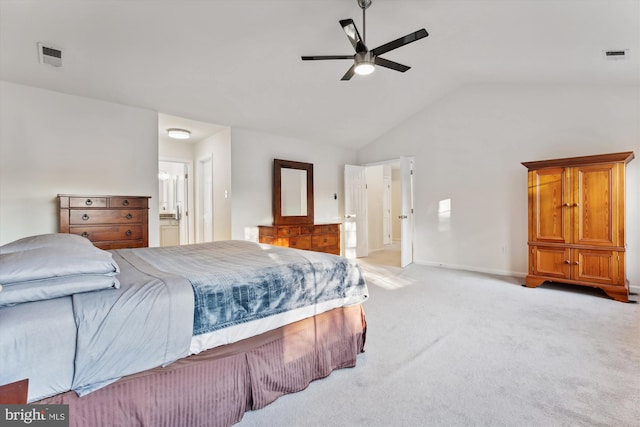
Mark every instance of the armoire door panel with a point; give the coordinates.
(594, 205)
(548, 191)
(596, 266)
(551, 262)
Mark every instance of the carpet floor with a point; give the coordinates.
(456, 348)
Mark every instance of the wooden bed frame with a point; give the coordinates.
(216, 387)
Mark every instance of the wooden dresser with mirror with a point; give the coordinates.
(293, 214)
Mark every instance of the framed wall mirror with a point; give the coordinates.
(292, 192)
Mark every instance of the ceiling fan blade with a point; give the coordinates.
(354, 36)
(320, 57)
(390, 64)
(350, 72)
(409, 38)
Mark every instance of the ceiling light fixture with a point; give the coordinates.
(364, 69)
(364, 63)
(176, 133)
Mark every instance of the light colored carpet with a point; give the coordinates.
(455, 348)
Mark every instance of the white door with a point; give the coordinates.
(206, 201)
(182, 203)
(355, 209)
(386, 210)
(406, 214)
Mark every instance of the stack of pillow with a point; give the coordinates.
(51, 266)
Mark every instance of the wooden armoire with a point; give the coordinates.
(577, 222)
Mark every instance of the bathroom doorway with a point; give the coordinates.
(173, 202)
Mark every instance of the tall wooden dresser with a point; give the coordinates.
(311, 237)
(110, 222)
(577, 222)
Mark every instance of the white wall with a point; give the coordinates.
(468, 147)
(252, 155)
(52, 143)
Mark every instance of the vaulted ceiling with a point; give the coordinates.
(237, 62)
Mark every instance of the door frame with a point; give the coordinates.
(190, 194)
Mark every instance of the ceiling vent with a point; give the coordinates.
(49, 55)
(615, 55)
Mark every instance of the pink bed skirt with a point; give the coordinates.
(216, 387)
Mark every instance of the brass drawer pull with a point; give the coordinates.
(129, 216)
(128, 233)
(89, 202)
(125, 202)
(85, 217)
(85, 234)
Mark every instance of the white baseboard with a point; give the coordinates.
(497, 272)
(518, 274)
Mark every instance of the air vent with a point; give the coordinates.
(615, 55)
(49, 55)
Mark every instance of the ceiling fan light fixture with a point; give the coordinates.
(364, 68)
(176, 133)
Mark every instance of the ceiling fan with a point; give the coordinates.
(364, 60)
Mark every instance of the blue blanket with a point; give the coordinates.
(249, 281)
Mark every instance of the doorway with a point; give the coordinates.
(205, 214)
(378, 222)
(173, 202)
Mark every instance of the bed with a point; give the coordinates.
(179, 336)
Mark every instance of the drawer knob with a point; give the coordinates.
(125, 202)
(85, 217)
(129, 216)
(88, 202)
(85, 234)
(128, 233)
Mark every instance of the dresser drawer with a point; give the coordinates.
(104, 216)
(287, 231)
(109, 233)
(87, 202)
(325, 229)
(307, 229)
(324, 241)
(128, 202)
(302, 242)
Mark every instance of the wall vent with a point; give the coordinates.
(615, 55)
(49, 55)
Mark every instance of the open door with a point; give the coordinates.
(356, 243)
(406, 214)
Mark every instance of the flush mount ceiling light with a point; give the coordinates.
(176, 133)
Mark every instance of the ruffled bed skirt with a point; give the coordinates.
(216, 387)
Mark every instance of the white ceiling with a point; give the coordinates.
(237, 62)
